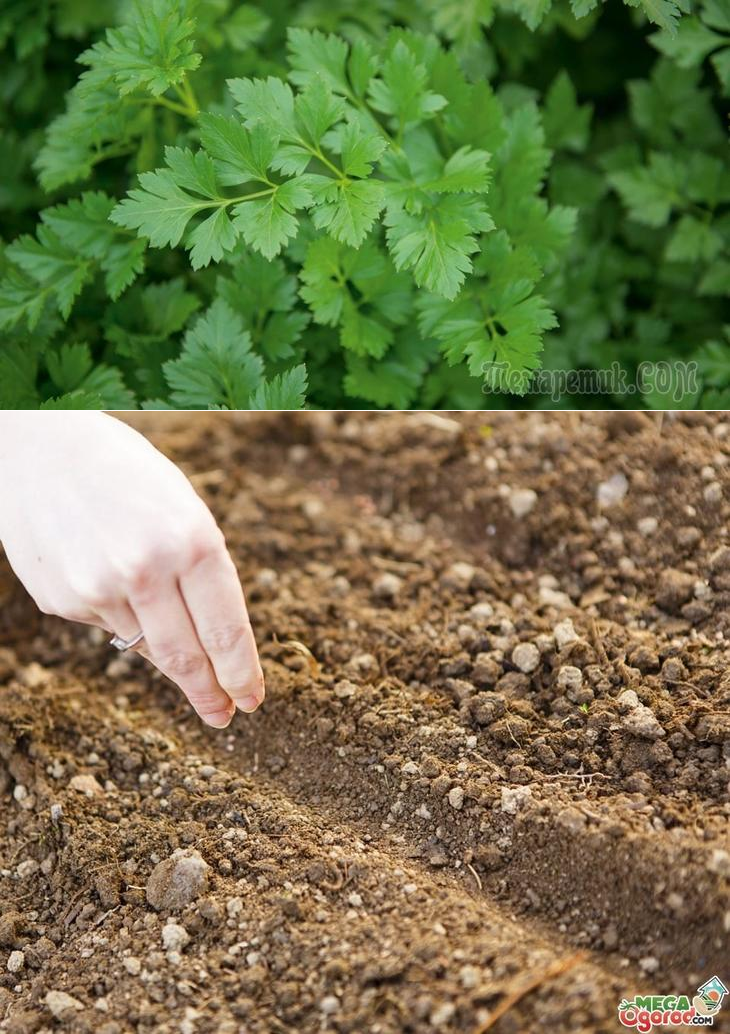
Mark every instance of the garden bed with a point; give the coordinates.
(496, 735)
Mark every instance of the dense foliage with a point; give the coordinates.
(342, 203)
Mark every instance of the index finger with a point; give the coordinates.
(216, 604)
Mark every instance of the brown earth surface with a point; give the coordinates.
(423, 824)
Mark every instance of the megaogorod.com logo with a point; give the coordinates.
(644, 1012)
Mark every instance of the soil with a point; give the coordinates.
(496, 738)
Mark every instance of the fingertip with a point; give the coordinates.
(249, 703)
(219, 719)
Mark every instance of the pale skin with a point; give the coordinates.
(101, 528)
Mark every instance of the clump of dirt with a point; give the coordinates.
(497, 733)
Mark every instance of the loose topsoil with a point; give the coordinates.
(496, 739)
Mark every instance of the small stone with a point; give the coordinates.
(612, 491)
(720, 560)
(486, 670)
(469, 977)
(647, 526)
(565, 634)
(570, 680)
(571, 819)
(344, 689)
(486, 708)
(27, 868)
(430, 766)
(329, 1005)
(627, 700)
(234, 907)
(62, 1005)
(459, 576)
(86, 784)
(267, 578)
(456, 798)
(522, 501)
(673, 670)
(387, 586)
(514, 798)
(11, 923)
(481, 613)
(713, 493)
(713, 728)
(34, 675)
(550, 597)
(16, 961)
(719, 862)
(20, 793)
(132, 965)
(174, 936)
(442, 1014)
(178, 880)
(641, 721)
(675, 588)
(649, 964)
(355, 899)
(410, 768)
(467, 635)
(526, 657)
(645, 658)
(363, 663)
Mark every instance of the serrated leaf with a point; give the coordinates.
(72, 369)
(363, 333)
(391, 382)
(362, 66)
(323, 279)
(56, 269)
(269, 101)
(664, 13)
(347, 210)
(401, 91)
(211, 239)
(650, 192)
(358, 148)
(74, 400)
(314, 55)
(690, 44)
(83, 225)
(18, 373)
(438, 245)
(268, 223)
(153, 52)
(713, 363)
(158, 209)
(693, 240)
(316, 110)
(246, 25)
(567, 124)
(285, 391)
(216, 366)
(243, 154)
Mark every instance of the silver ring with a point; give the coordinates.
(126, 644)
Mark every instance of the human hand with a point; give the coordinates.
(102, 528)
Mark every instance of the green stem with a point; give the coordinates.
(250, 197)
(115, 151)
(362, 105)
(186, 95)
(163, 102)
(317, 152)
(173, 106)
